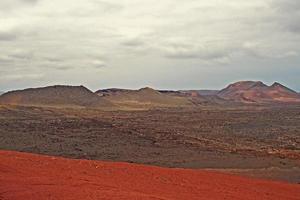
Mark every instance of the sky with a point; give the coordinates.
(165, 44)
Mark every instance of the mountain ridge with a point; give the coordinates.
(147, 97)
(144, 97)
(57, 95)
(258, 92)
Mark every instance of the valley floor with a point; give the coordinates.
(260, 142)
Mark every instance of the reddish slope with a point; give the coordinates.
(251, 91)
(35, 177)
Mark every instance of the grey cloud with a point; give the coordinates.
(11, 58)
(63, 68)
(134, 37)
(136, 46)
(183, 53)
(92, 9)
(107, 6)
(30, 1)
(204, 51)
(295, 27)
(21, 55)
(60, 63)
(133, 43)
(12, 77)
(96, 63)
(8, 5)
(53, 59)
(292, 23)
(6, 60)
(287, 14)
(7, 36)
(286, 5)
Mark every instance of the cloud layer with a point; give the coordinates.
(132, 43)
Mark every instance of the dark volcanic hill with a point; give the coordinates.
(55, 96)
(142, 98)
(258, 92)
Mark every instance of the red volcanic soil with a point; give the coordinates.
(252, 91)
(35, 177)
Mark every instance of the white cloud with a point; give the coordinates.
(49, 36)
(14, 77)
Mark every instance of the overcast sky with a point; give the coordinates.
(166, 44)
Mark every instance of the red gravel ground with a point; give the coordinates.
(33, 177)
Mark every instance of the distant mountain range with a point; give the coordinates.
(243, 92)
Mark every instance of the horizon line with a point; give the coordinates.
(135, 88)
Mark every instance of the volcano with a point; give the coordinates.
(58, 95)
(142, 98)
(258, 92)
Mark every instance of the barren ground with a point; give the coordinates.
(257, 141)
(35, 177)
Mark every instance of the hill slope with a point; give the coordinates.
(54, 96)
(142, 98)
(258, 92)
(28, 176)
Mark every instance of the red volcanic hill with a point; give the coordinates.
(142, 98)
(35, 177)
(54, 96)
(252, 91)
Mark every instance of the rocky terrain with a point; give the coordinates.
(244, 138)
